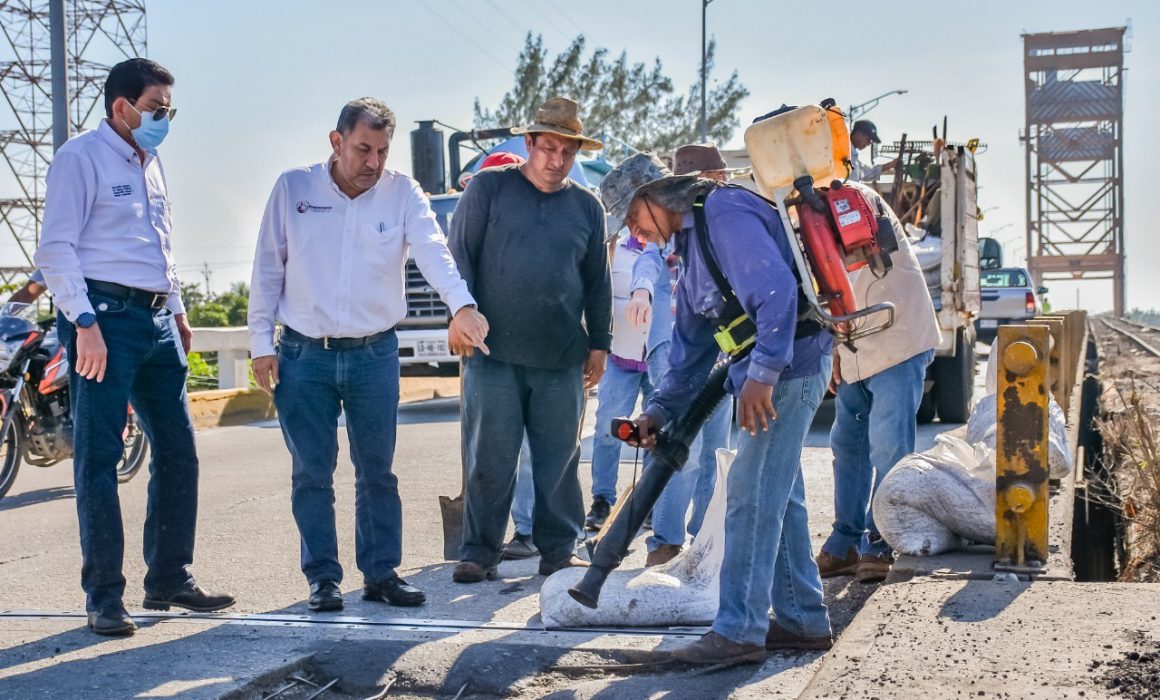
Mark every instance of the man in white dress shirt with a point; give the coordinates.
(329, 267)
(105, 251)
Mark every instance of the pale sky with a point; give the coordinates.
(260, 84)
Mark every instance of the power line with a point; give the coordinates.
(532, 4)
(467, 36)
(564, 14)
(514, 21)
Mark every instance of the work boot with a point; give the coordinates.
(473, 572)
(113, 621)
(779, 637)
(662, 554)
(191, 597)
(873, 568)
(547, 568)
(598, 513)
(714, 649)
(830, 566)
(520, 547)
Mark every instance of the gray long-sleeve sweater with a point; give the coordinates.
(537, 265)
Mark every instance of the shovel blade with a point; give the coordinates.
(452, 510)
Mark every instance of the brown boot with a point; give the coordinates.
(830, 566)
(873, 568)
(547, 568)
(662, 554)
(714, 649)
(473, 572)
(779, 637)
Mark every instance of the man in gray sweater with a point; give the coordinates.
(530, 244)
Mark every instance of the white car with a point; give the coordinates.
(1007, 297)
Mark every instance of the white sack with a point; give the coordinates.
(982, 424)
(682, 592)
(932, 501)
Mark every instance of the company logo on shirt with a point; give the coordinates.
(122, 190)
(304, 207)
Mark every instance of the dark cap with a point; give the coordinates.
(867, 127)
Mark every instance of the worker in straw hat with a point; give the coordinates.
(530, 243)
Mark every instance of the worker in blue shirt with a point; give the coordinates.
(768, 560)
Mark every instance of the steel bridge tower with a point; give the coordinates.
(98, 34)
(1075, 154)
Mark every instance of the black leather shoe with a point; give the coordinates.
(324, 596)
(190, 597)
(112, 622)
(394, 591)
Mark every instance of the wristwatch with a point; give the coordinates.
(86, 320)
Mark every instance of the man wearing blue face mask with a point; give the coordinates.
(106, 254)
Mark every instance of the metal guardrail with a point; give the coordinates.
(1040, 356)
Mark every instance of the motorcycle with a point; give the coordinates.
(35, 412)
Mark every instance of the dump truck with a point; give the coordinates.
(936, 201)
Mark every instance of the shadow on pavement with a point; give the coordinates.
(978, 601)
(31, 498)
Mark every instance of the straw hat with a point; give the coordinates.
(560, 116)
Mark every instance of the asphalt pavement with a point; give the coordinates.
(248, 545)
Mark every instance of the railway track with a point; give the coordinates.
(1147, 338)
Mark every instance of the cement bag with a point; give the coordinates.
(936, 501)
(982, 424)
(683, 591)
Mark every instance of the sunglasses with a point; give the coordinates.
(161, 112)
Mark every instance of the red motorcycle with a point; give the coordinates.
(35, 412)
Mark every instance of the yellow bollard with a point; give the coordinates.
(1021, 472)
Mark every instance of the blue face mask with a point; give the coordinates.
(151, 132)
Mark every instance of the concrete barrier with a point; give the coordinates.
(232, 346)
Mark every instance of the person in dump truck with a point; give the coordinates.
(862, 134)
(736, 255)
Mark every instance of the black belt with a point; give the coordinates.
(141, 297)
(334, 343)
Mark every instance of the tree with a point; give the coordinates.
(633, 102)
(208, 315)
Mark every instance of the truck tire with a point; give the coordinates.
(955, 379)
(926, 408)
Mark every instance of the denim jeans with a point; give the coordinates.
(315, 385)
(500, 402)
(874, 427)
(768, 558)
(523, 505)
(146, 365)
(696, 481)
(616, 396)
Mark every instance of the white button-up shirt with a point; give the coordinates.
(106, 217)
(327, 265)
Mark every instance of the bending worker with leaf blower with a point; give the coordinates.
(737, 261)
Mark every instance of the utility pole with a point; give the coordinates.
(207, 273)
(704, 70)
(58, 43)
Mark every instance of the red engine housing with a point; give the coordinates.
(826, 261)
(839, 239)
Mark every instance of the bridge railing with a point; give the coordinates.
(232, 346)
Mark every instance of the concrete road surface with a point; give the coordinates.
(247, 544)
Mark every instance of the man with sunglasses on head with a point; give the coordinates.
(106, 253)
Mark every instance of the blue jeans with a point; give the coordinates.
(146, 365)
(314, 386)
(768, 559)
(874, 427)
(502, 401)
(616, 396)
(523, 504)
(696, 481)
